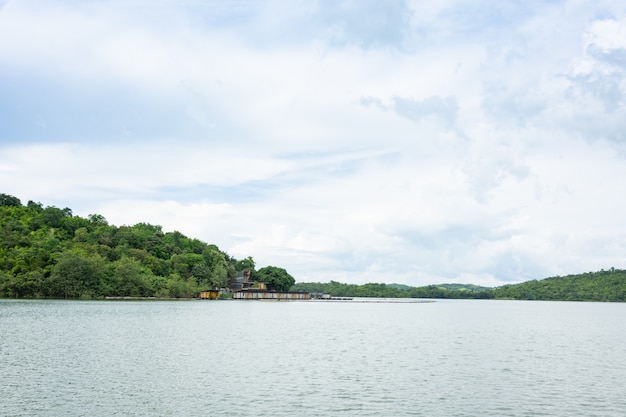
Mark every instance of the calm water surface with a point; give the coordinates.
(254, 358)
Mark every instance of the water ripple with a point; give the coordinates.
(449, 358)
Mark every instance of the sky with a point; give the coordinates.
(412, 142)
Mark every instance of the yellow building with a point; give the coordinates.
(210, 295)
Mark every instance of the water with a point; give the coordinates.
(254, 358)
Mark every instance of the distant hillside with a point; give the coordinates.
(463, 287)
(591, 286)
(400, 287)
(380, 290)
(48, 252)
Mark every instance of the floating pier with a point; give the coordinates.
(270, 295)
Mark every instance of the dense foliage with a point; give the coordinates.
(48, 252)
(277, 279)
(592, 286)
(337, 289)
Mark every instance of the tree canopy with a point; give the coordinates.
(609, 285)
(604, 285)
(276, 278)
(49, 252)
(382, 290)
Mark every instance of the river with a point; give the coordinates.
(257, 358)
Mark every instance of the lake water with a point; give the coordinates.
(255, 358)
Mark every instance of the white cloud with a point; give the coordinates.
(455, 142)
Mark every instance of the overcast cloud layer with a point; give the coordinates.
(358, 141)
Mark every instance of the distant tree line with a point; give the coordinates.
(380, 290)
(609, 285)
(49, 252)
(604, 285)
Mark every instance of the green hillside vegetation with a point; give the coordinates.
(337, 289)
(592, 286)
(49, 252)
(463, 287)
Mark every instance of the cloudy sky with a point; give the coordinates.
(415, 142)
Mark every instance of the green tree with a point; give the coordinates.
(247, 263)
(76, 275)
(277, 279)
(97, 220)
(178, 287)
(217, 265)
(22, 285)
(9, 200)
(131, 278)
(183, 264)
(48, 252)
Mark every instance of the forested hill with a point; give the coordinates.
(592, 286)
(380, 290)
(604, 285)
(48, 252)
